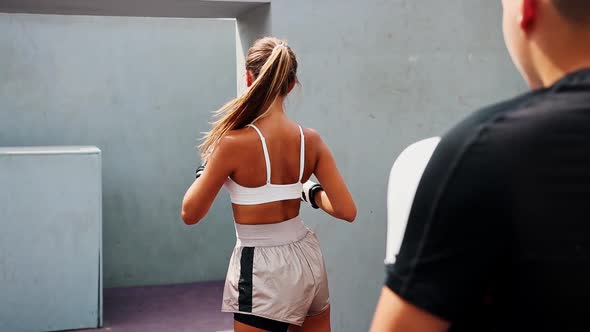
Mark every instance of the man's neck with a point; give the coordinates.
(553, 73)
(565, 55)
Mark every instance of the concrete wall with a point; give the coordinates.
(50, 243)
(141, 89)
(377, 75)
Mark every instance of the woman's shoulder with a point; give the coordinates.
(237, 139)
(311, 135)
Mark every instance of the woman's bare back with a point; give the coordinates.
(283, 140)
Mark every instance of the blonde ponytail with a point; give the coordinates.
(274, 67)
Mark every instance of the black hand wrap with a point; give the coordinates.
(310, 189)
(199, 171)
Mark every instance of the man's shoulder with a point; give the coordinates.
(476, 124)
(497, 111)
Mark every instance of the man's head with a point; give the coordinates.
(545, 37)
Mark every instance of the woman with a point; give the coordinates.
(276, 279)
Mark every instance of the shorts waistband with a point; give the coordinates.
(267, 235)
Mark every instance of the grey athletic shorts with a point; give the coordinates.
(277, 272)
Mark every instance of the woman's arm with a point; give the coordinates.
(335, 199)
(201, 194)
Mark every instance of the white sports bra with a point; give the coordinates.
(268, 192)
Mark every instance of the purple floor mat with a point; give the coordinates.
(179, 308)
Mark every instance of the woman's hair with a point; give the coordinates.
(274, 69)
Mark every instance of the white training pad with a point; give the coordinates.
(404, 178)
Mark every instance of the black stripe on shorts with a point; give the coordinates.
(245, 283)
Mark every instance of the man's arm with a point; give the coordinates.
(394, 314)
(454, 234)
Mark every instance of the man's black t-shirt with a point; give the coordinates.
(498, 238)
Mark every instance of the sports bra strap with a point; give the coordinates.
(265, 149)
(301, 155)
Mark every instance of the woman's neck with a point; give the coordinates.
(277, 108)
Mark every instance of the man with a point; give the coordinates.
(498, 236)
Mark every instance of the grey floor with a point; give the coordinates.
(179, 308)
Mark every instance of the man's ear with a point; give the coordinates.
(528, 14)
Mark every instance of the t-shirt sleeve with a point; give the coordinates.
(452, 239)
